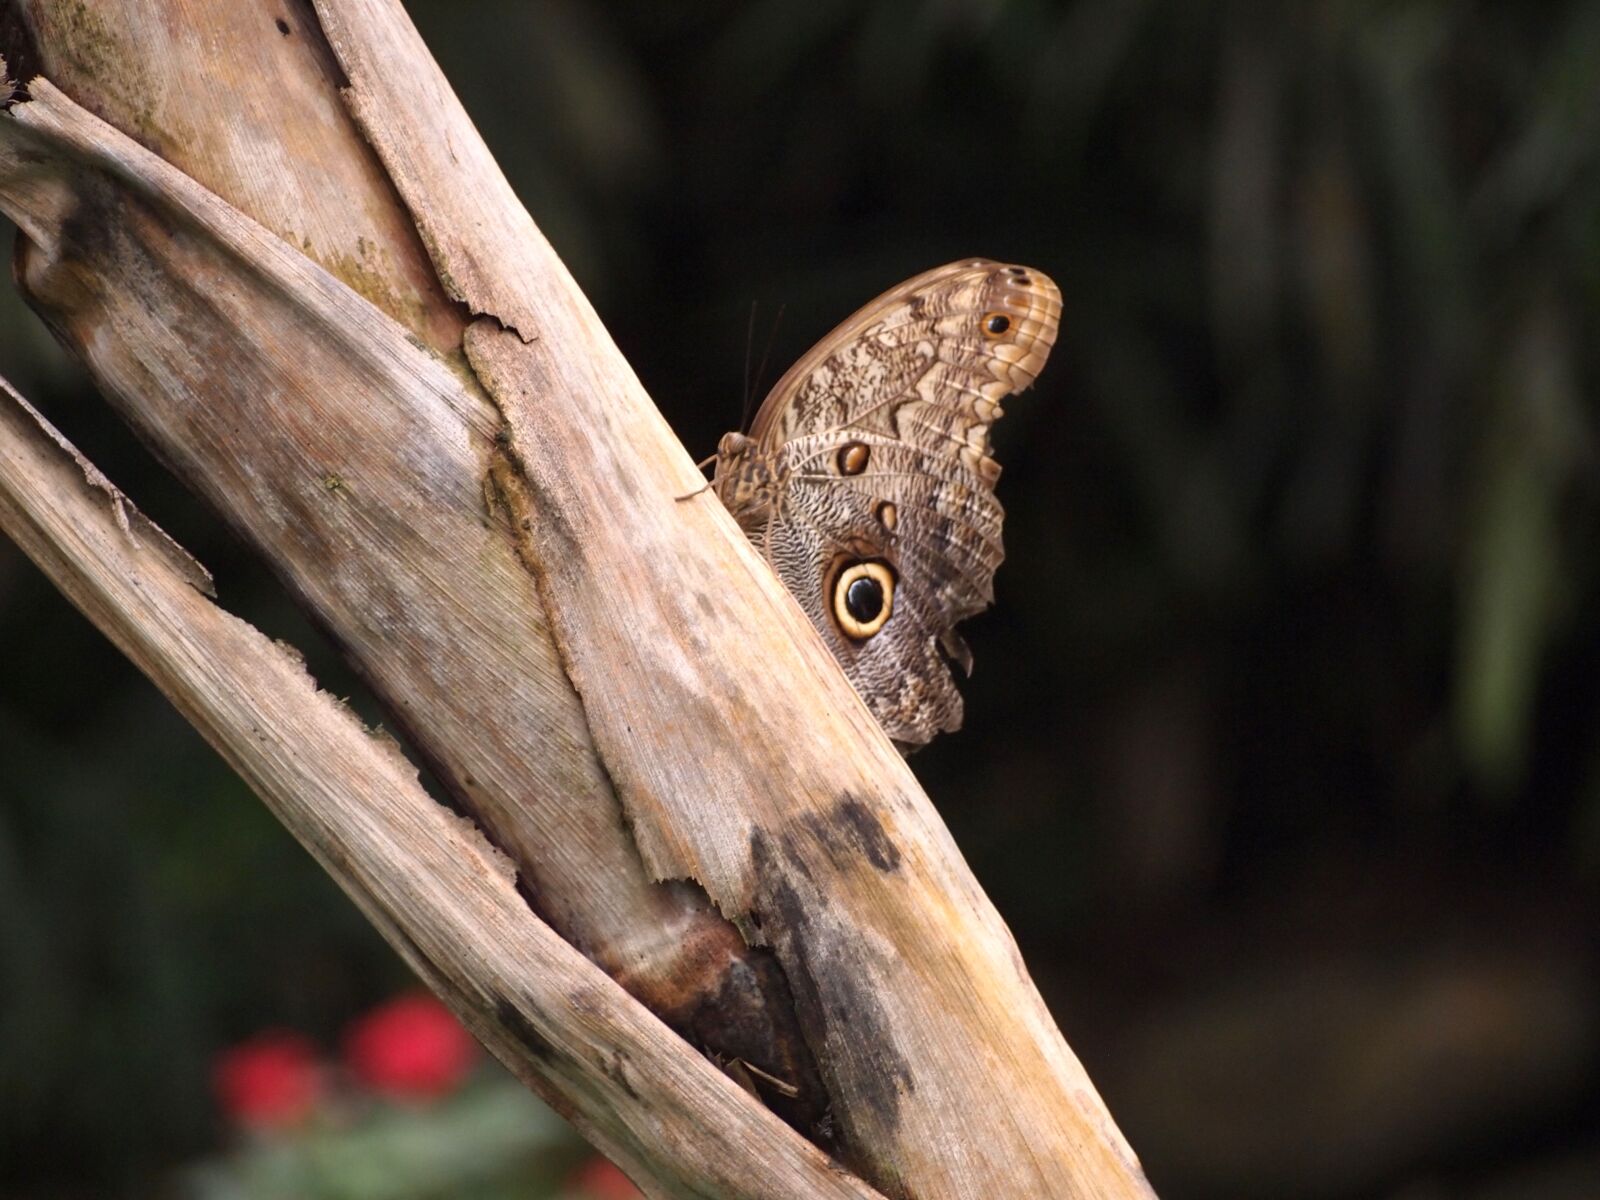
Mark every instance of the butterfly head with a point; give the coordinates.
(746, 480)
(732, 447)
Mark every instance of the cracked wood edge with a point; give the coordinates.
(436, 889)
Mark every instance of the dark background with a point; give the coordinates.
(1281, 753)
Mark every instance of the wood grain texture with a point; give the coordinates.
(365, 499)
(312, 423)
(395, 90)
(243, 98)
(441, 894)
(744, 759)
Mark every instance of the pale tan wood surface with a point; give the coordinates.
(373, 513)
(444, 898)
(244, 98)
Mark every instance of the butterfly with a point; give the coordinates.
(866, 481)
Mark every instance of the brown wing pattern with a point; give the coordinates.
(946, 538)
(874, 449)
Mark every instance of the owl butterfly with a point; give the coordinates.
(866, 479)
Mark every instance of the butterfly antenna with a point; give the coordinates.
(749, 342)
(766, 353)
(700, 466)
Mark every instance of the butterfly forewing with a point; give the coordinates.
(874, 447)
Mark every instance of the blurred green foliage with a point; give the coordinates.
(493, 1141)
(1293, 672)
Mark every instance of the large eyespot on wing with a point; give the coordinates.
(862, 597)
(941, 519)
(848, 557)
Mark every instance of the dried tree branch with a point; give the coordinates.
(371, 511)
(746, 765)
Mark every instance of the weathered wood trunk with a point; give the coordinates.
(291, 263)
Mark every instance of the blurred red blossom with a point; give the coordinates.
(271, 1081)
(410, 1047)
(600, 1179)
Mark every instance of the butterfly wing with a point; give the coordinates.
(881, 437)
(918, 357)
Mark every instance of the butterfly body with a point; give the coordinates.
(866, 479)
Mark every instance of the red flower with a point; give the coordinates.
(600, 1179)
(410, 1047)
(271, 1081)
